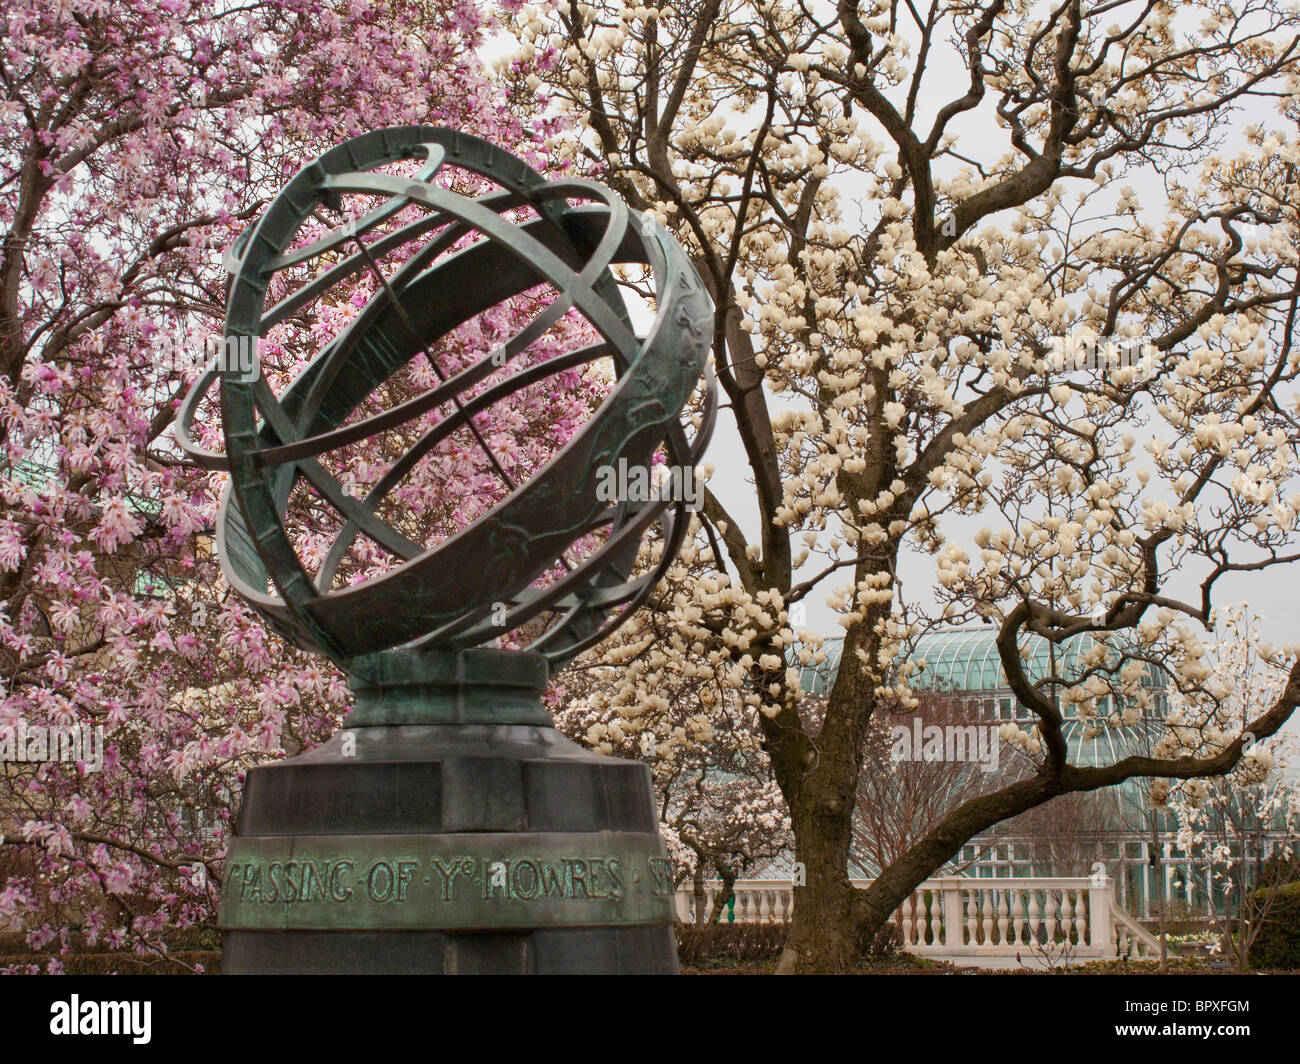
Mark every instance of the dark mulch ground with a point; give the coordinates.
(114, 963)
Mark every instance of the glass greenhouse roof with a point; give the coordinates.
(966, 659)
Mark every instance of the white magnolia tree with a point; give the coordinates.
(940, 293)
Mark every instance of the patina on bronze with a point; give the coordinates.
(449, 827)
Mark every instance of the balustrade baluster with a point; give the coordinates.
(990, 915)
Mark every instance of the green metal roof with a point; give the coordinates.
(966, 659)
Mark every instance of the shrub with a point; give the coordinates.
(735, 945)
(1281, 866)
(714, 945)
(1277, 945)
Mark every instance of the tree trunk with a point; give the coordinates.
(697, 882)
(819, 778)
(727, 889)
(825, 930)
(1160, 890)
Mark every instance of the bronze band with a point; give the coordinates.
(496, 880)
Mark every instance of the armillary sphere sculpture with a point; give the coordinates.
(449, 827)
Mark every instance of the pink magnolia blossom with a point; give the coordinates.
(140, 139)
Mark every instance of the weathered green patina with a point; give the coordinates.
(447, 596)
(449, 827)
(502, 880)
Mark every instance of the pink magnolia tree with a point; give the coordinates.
(137, 141)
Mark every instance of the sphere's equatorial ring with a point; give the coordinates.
(454, 593)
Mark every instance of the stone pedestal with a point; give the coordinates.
(448, 828)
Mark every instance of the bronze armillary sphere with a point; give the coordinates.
(483, 580)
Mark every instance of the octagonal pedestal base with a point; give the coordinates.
(448, 848)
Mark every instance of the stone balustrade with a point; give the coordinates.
(1044, 920)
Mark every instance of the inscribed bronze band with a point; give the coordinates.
(493, 880)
